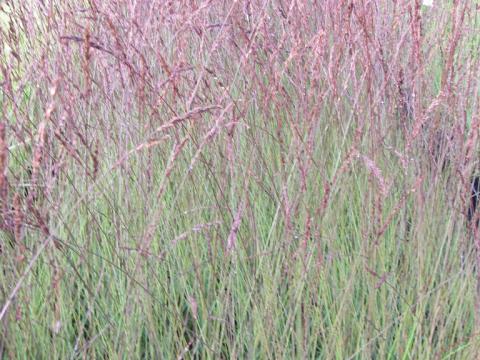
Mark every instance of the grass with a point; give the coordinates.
(238, 180)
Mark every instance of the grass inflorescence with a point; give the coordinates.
(239, 179)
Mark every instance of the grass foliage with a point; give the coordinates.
(238, 179)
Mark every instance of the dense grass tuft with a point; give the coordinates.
(239, 179)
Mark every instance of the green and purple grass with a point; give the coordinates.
(238, 179)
